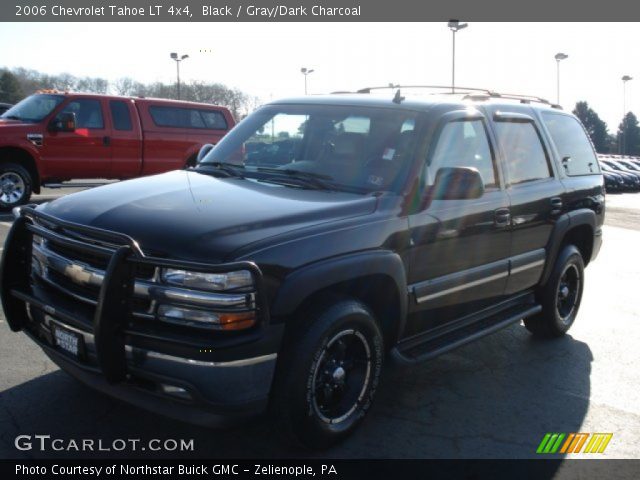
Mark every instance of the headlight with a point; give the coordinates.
(208, 281)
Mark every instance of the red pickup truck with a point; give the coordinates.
(52, 137)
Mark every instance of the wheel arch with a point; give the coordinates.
(577, 228)
(22, 157)
(375, 278)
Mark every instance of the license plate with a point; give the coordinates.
(68, 341)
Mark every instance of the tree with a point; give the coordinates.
(629, 135)
(92, 85)
(216, 93)
(595, 126)
(10, 90)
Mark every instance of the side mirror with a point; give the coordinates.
(206, 148)
(64, 122)
(457, 183)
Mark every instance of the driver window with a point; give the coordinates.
(88, 113)
(463, 143)
(276, 142)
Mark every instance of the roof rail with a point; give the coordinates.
(455, 90)
(472, 93)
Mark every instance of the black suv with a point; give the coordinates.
(400, 229)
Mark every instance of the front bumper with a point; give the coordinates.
(194, 376)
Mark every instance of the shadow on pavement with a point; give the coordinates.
(492, 399)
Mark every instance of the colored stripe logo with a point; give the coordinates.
(574, 443)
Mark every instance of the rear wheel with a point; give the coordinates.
(560, 297)
(328, 374)
(15, 186)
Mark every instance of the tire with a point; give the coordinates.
(327, 373)
(15, 186)
(560, 297)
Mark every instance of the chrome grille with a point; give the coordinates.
(80, 275)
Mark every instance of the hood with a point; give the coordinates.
(10, 124)
(192, 216)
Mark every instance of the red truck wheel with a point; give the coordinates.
(15, 186)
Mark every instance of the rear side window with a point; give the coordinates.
(88, 113)
(120, 115)
(525, 156)
(574, 147)
(177, 117)
(214, 120)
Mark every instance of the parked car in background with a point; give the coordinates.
(631, 182)
(618, 167)
(612, 181)
(52, 137)
(630, 165)
(4, 107)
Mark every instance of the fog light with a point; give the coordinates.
(205, 319)
(175, 391)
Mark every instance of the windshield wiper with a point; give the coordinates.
(12, 117)
(316, 180)
(230, 169)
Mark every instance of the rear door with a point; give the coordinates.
(86, 152)
(459, 248)
(126, 139)
(165, 143)
(536, 194)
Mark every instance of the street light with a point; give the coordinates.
(454, 26)
(178, 59)
(625, 79)
(305, 71)
(559, 57)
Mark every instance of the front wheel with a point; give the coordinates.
(328, 374)
(15, 186)
(560, 297)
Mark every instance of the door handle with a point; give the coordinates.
(556, 206)
(106, 141)
(502, 217)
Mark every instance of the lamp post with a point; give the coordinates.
(454, 26)
(559, 57)
(623, 145)
(178, 59)
(306, 71)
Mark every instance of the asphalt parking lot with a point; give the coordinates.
(495, 398)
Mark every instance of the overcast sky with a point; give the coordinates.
(264, 59)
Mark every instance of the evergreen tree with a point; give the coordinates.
(629, 135)
(10, 90)
(594, 125)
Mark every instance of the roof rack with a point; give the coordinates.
(453, 91)
(471, 93)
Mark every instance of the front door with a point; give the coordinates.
(84, 153)
(459, 248)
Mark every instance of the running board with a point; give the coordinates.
(437, 344)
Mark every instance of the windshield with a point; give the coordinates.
(349, 148)
(33, 108)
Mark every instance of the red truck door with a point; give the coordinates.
(84, 153)
(165, 138)
(126, 139)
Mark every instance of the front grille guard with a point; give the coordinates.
(112, 313)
